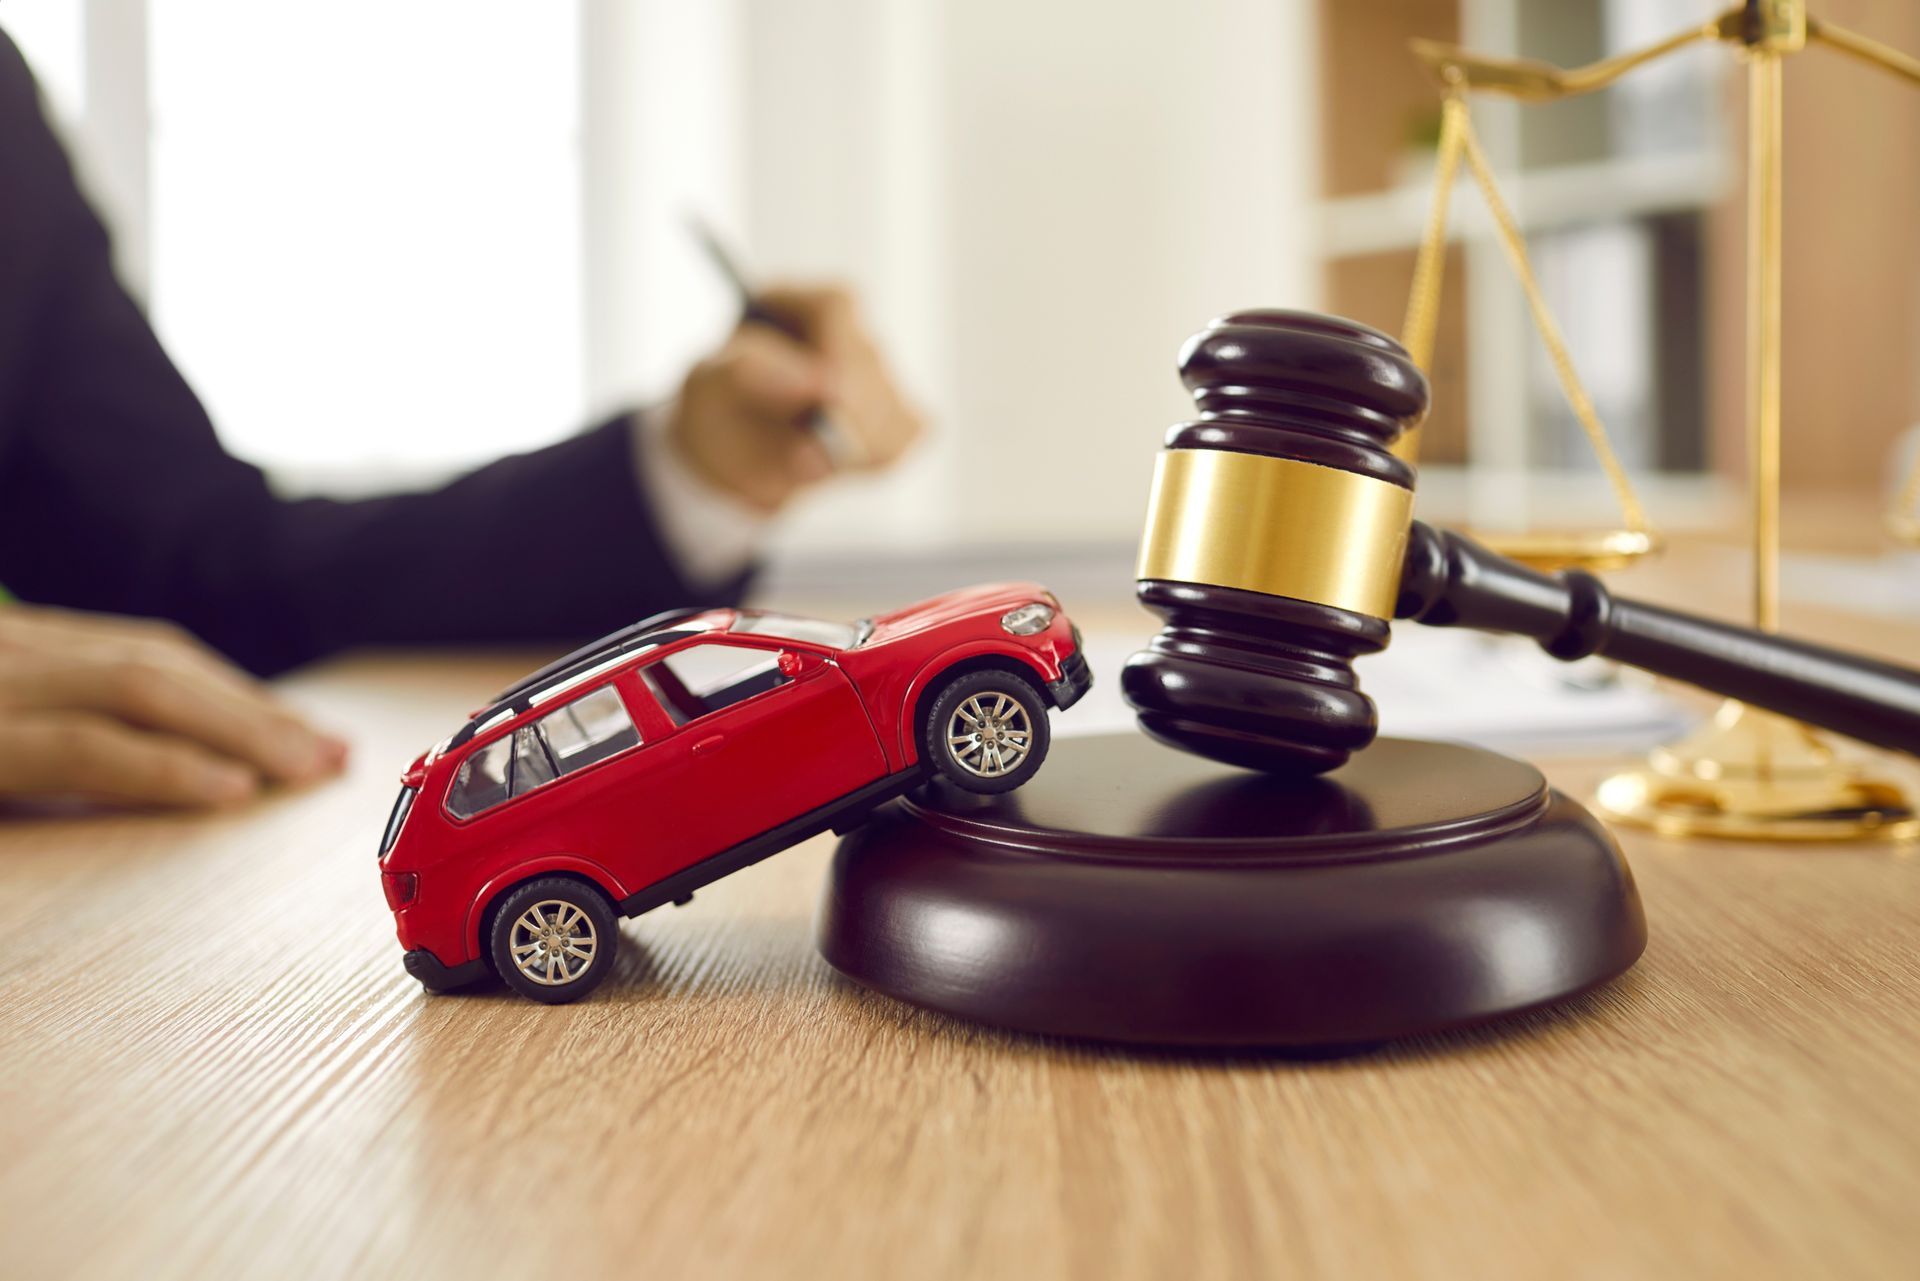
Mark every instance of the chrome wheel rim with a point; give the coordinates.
(989, 734)
(553, 942)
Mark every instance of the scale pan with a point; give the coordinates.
(1551, 550)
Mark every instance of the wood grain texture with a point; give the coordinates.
(212, 1065)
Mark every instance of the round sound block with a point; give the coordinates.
(1139, 894)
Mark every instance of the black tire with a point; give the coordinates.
(563, 905)
(980, 765)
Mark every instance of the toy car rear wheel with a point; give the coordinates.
(554, 939)
(987, 731)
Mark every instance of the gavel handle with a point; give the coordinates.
(1452, 581)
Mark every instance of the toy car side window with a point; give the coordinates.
(587, 730)
(702, 679)
(532, 763)
(481, 781)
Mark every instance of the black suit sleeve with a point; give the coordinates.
(116, 495)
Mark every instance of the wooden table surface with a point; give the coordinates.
(211, 1064)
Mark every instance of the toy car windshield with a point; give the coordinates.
(810, 631)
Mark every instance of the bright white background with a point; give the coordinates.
(366, 224)
(388, 239)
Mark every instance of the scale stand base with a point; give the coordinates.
(1133, 893)
(1752, 775)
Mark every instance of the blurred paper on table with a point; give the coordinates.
(1499, 692)
(1888, 585)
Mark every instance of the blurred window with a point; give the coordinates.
(366, 234)
(51, 36)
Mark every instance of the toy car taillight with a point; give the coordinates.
(1026, 620)
(401, 888)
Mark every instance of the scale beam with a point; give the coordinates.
(1871, 52)
(1780, 27)
(1530, 80)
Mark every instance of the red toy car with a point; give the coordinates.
(636, 770)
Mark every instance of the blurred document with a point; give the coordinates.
(1499, 692)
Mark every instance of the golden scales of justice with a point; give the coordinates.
(1746, 773)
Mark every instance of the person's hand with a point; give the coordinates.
(739, 420)
(135, 712)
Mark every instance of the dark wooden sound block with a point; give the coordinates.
(1140, 894)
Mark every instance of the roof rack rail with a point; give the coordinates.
(648, 633)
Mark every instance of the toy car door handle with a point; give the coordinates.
(710, 744)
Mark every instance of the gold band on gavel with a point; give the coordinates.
(1277, 526)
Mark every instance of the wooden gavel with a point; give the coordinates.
(1280, 541)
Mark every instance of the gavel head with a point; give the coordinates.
(1274, 540)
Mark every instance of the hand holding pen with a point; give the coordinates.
(798, 392)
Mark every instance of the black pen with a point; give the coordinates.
(834, 439)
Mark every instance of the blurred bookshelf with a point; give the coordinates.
(1623, 189)
(1616, 194)
(1631, 200)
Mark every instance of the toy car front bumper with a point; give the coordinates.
(435, 977)
(1076, 678)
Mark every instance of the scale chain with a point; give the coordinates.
(1457, 138)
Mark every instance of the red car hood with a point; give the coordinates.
(987, 601)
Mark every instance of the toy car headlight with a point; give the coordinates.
(1027, 619)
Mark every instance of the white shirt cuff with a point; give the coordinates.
(711, 535)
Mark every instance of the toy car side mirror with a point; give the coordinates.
(791, 664)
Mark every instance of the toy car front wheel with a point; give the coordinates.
(554, 939)
(987, 731)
